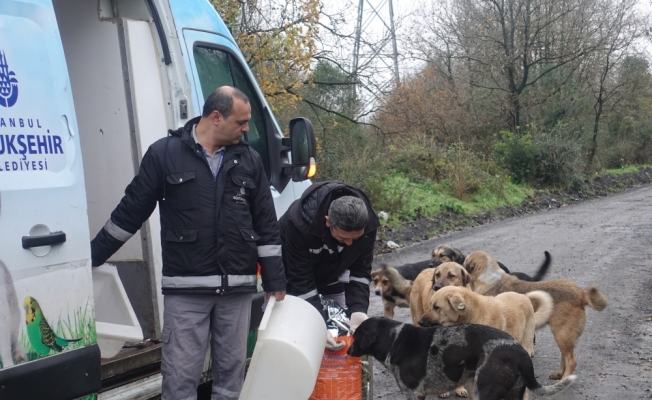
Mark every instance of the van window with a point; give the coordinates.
(217, 68)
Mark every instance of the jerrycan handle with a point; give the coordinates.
(267, 314)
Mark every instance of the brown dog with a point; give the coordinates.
(568, 317)
(394, 284)
(394, 289)
(510, 312)
(446, 253)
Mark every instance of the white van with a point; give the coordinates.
(85, 87)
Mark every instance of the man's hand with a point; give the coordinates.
(356, 319)
(278, 295)
(331, 344)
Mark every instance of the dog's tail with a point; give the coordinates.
(595, 299)
(553, 390)
(543, 269)
(543, 307)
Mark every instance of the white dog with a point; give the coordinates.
(10, 348)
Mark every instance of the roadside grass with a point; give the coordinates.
(621, 171)
(405, 199)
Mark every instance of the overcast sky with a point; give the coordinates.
(375, 27)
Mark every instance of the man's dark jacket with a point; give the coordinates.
(313, 261)
(213, 232)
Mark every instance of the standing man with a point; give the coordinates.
(328, 240)
(217, 222)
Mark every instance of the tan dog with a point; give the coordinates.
(510, 312)
(446, 274)
(568, 317)
(450, 274)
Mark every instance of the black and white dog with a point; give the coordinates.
(431, 361)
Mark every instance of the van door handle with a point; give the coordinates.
(44, 240)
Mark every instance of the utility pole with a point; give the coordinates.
(358, 32)
(362, 24)
(393, 32)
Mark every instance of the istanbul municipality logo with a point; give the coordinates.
(8, 84)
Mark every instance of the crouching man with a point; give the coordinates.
(327, 241)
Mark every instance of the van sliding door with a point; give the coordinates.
(46, 291)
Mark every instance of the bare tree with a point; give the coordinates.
(624, 25)
(507, 46)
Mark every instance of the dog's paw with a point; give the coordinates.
(461, 392)
(444, 395)
(556, 375)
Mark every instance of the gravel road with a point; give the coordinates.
(606, 242)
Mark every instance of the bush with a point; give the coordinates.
(414, 177)
(540, 158)
(460, 170)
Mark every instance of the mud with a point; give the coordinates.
(604, 241)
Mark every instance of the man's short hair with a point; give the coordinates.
(348, 213)
(222, 100)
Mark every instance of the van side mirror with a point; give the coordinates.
(303, 148)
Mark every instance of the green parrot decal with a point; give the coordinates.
(41, 336)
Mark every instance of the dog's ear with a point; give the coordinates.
(457, 302)
(458, 257)
(367, 339)
(466, 277)
(468, 266)
(433, 261)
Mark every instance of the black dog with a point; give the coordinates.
(446, 252)
(431, 361)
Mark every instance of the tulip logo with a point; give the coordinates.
(8, 84)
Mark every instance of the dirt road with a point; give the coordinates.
(606, 242)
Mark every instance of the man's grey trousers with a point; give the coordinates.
(189, 322)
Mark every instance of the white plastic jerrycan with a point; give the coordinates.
(288, 352)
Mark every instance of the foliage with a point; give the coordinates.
(484, 118)
(277, 40)
(540, 158)
(406, 199)
(619, 171)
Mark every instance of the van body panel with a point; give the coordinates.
(46, 292)
(66, 376)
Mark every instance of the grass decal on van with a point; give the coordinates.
(89, 397)
(77, 329)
